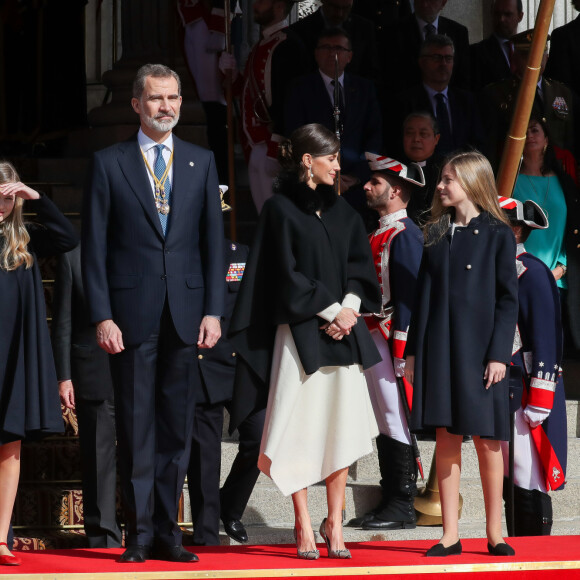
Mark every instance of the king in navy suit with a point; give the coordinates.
(540, 437)
(153, 276)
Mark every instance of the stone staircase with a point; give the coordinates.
(269, 515)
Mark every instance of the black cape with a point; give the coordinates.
(299, 265)
(29, 401)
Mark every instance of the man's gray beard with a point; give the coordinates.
(164, 127)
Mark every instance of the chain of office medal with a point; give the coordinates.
(160, 199)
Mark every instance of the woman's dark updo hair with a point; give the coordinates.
(550, 162)
(314, 139)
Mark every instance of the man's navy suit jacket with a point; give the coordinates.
(466, 125)
(308, 101)
(130, 268)
(365, 59)
(488, 63)
(406, 41)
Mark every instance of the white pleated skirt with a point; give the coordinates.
(315, 424)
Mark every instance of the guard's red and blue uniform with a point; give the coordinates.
(540, 451)
(397, 247)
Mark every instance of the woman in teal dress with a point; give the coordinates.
(543, 180)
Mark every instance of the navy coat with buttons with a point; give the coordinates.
(218, 364)
(465, 316)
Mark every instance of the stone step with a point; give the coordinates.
(54, 459)
(367, 468)
(43, 539)
(63, 170)
(268, 506)
(67, 197)
(40, 505)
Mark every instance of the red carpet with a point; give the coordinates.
(543, 558)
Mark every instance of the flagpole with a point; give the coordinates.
(516, 138)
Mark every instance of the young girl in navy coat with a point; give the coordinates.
(461, 337)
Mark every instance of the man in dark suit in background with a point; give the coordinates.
(337, 14)
(455, 109)
(84, 382)
(408, 36)
(311, 100)
(554, 102)
(491, 59)
(420, 138)
(218, 366)
(383, 13)
(152, 268)
(564, 63)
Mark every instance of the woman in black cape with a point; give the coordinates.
(309, 274)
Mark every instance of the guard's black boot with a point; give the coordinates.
(401, 471)
(532, 512)
(507, 505)
(383, 450)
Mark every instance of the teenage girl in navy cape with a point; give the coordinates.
(460, 338)
(29, 402)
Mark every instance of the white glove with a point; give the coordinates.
(399, 365)
(535, 415)
(227, 62)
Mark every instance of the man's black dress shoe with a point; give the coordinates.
(440, 550)
(135, 554)
(501, 549)
(236, 530)
(173, 554)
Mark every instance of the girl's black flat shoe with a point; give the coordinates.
(439, 550)
(501, 549)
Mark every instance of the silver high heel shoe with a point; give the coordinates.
(308, 554)
(339, 554)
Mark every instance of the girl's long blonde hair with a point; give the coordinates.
(475, 176)
(13, 250)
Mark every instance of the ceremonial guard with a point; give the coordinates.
(208, 503)
(276, 59)
(204, 23)
(554, 102)
(397, 247)
(540, 424)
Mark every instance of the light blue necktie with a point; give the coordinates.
(159, 170)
